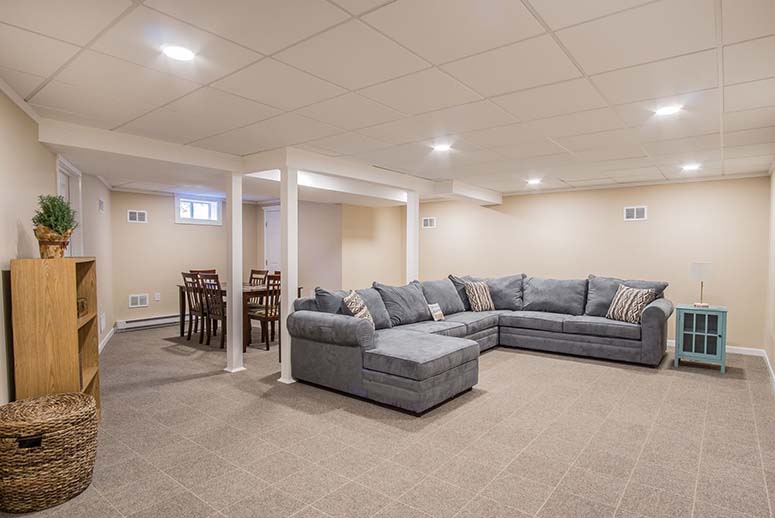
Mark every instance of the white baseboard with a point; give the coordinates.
(140, 323)
(747, 351)
(106, 338)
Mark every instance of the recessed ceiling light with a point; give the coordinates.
(691, 167)
(534, 181)
(442, 147)
(178, 53)
(668, 110)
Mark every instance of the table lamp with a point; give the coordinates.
(700, 272)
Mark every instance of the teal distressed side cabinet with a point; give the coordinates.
(701, 334)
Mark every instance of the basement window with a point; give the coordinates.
(198, 210)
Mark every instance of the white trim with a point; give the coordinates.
(234, 356)
(107, 338)
(268, 208)
(141, 323)
(196, 198)
(232, 371)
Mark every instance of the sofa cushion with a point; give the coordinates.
(540, 320)
(405, 304)
(602, 291)
(329, 301)
(506, 292)
(417, 356)
(376, 307)
(441, 327)
(555, 295)
(601, 326)
(443, 293)
(460, 287)
(476, 321)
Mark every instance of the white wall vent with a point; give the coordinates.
(138, 300)
(429, 222)
(137, 216)
(640, 213)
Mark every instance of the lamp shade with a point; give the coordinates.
(700, 272)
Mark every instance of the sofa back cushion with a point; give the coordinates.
(329, 301)
(405, 304)
(603, 289)
(443, 293)
(506, 292)
(555, 295)
(376, 307)
(460, 287)
(333, 302)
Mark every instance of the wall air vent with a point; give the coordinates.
(429, 222)
(640, 213)
(137, 216)
(138, 300)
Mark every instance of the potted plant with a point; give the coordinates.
(54, 223)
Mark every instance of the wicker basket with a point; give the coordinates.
(47, 450)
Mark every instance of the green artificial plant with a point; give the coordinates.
(55, 213)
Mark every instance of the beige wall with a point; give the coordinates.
(148, 258)
(98, 242)
(769, 328)
(573, 234)
(373, 246)
(27, 169)
(320, 246)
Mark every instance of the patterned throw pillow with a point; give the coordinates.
(479, 296)
(357, 307)
(436, 312)
(628, 304)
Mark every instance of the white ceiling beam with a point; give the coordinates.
(456, 189)
(338, 184)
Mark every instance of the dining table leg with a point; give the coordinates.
(182, 308)
(245, 323)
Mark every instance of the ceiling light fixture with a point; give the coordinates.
(442, 147)
(178, 53)
(668, 110)
(690, 167)
(534, 181)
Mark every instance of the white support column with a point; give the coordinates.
(234, 275)
(412, 236)
(289, 244)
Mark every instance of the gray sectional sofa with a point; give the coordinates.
(407, 360)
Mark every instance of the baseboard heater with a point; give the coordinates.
(143, 323)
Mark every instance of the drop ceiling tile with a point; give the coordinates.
(647, 33)
(265, 26)
(748, 119)
(396, 157)
(709, 169)
(352, 55)
(695, 105)
(684, 145)
(348, 144)
(561, 13)
(357, 7)
(76, 21)
(747, 19)
(592, 182)
(745, 96)
(749, 137)
(516, 65)
(611, 153)
(529, 149)
(501, 136)
(75, 118)
(661, 79)
(444, 30)
(198, 115)
(279, 85)
(110, 90)
(750, 165)
(749, 151)
(547, 101)
(577, 123)
(285, 130)
(749, 61)
(439, 162)
(140, 37)
(458, 119)
(350, 111)
(639, 174)
(24, 51)
(421, 92)
(600, 139)
(21, 82)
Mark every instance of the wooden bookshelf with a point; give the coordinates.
(55, 350)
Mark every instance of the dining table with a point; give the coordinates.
(249, 291)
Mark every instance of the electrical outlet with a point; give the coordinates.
(157, 296)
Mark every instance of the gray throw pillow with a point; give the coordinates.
(376, 307)
(555, 295)
(405, 304)
(443, 293)
(506, 292)
(329, 301)
(460, 287)
(603, 289)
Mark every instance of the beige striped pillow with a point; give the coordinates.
(479, 296)
(357, 306)
(628, 304)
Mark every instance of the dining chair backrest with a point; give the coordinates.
(213, 295)
(193, 292)
(211, 270)
(258, 277)
(272, 299)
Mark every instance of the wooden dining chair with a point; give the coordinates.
(197, 313)
(269, 311)
(212, 294)
(258, 277)
(210, 270)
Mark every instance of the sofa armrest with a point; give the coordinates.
(331, 328)
(654, 330)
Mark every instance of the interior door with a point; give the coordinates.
(272, 239)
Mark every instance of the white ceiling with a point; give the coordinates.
(561, 90)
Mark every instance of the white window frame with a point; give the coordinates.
(193, 221)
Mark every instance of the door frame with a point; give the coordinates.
(75, 186)
(273, 208)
